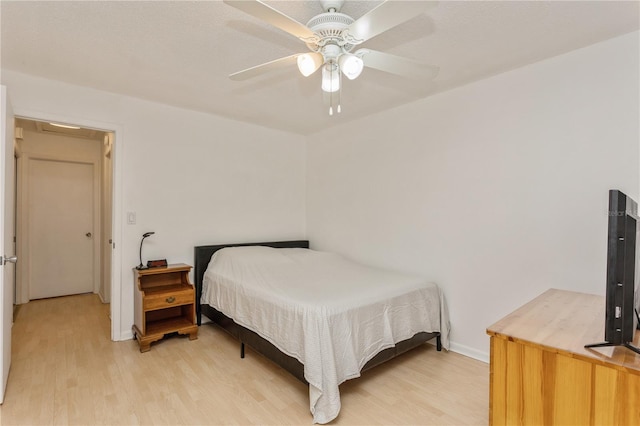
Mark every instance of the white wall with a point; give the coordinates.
(497, 190)
(192, 178)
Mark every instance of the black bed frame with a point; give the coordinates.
(245, 336)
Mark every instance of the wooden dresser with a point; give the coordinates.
(541, 374)
(164, 302)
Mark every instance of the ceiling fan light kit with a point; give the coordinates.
(330, 36)
(308, 63)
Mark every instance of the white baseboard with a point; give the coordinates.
(470, 352)
(126, 335)
(466, 351)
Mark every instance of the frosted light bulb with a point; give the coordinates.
(330, 78)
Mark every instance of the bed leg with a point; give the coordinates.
(241, 350)
(438, 343)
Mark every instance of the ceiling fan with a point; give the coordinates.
(331, 36)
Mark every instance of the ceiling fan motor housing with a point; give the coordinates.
(330, 28)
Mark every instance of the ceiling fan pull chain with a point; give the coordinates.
(331, 95)
(339, 91)
(331, 100)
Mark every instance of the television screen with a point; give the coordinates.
(622, 291)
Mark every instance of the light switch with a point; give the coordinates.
(131, 218)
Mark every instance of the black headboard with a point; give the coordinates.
(203, 256)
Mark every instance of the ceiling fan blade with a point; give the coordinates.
(384, 17)
(399, 65)
(263, 68)
(274, 17)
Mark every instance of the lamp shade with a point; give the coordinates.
(330, 78)
(351, 65)
(308, 63)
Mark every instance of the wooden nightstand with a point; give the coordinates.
(164, 303)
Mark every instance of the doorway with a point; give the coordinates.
(64, 210)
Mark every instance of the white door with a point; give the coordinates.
(7, 220)
(61, 229)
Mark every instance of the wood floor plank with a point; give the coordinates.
(65, 370)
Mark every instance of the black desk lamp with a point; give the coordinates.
(145, 235)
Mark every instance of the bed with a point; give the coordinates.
(293, 306)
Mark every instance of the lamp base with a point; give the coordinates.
(141, 267)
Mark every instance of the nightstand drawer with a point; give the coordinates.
(169, 299)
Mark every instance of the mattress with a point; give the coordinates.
(331, 314)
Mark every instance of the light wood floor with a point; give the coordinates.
(65, 370)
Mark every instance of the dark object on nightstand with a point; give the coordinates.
(160, 263)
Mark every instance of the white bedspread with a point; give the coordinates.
(331, 314)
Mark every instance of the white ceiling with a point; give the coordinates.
(180, 53)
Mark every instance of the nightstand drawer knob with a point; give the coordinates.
(170, 299)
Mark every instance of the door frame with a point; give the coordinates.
(117, 155)
(23, 289)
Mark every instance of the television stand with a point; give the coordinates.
(603, 344)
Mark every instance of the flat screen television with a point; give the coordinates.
(621, 312)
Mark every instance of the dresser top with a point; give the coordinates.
(563, 322)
